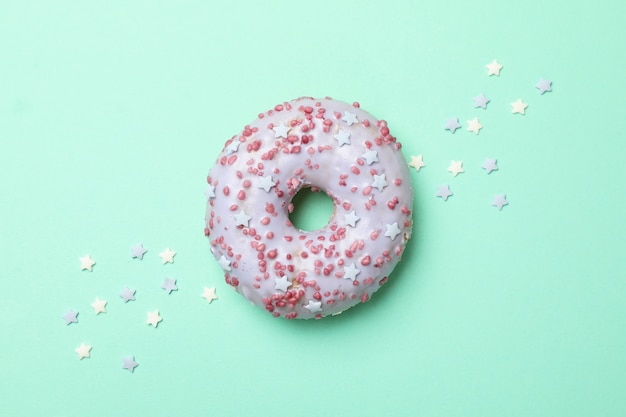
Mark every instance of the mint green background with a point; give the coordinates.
(112, 113)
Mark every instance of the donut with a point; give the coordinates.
(330, 146)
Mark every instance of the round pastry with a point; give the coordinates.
(331, 146)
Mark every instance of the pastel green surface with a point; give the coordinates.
(112, 113)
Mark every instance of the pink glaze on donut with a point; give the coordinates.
(319, 143)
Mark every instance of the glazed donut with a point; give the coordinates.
(331, 146)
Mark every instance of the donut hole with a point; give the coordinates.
(312, 209)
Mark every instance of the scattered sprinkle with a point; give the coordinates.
(490, 165)
(342, 137)
(499, 200)
(417, 162)
(242, 219)
(138, 251)
(456, 167)
(392, 231)
(351, 219)
(130, 364)
(282, 283)
(481, 101)
(544, 85)
(86, 263)
(380, 182)
(444, 192)
(128, 295)
(519, 106)
(370, 156)
(281, 131)
(153, 318)
(350, 272)
(224, 263)
(209, 294)
(494, 68)
(266, 183)
(83, 351)
(209, 192)
(474, 125)
(349, 118)
(233, 147)
(70, 316)
(167, 256)
(169, 285)
(314, 306)
(452, 124)
(99, 306)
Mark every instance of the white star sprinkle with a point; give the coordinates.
(499, 200)
(519, 107)
(167, 256)
(86, 263)
(456, 167)
(266, 183)
(370, 156)
(225, 264)
(343, 137)
(494, 68)
(130, 364)
(209, 294)
(349, 118)
(281, 131)
(314, 306)
(99, 306)
(242, 219)
(209, 191)
(444, 192)
(351, 219)
(417, 162)
(138, 252)
(282, 284)
(232, 148)
(474, 125)
(392, 231)
(350, 272)
(153, 318)
(380, 182)
(490, 165)
(83, 351)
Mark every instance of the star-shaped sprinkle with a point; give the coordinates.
(456, 167)
(499, 200)
(480, 101)
(70, 317)
(370, 156)
(474, 125)
(282, 283)
(169, 285)
(494, 68)
(224, 263)
(138, 251)
(519, 106)
(233, 147)
(86, 263)
(153, 318)
(544, 85)
(350, 272)
(380, 182)
(490, 165)
(281, 131)
(209, 191)
(452, 124)
(349, 118)
(209, 294)
(417, 162)
(167, 256)
(83, 351)
(242, 219)
(127, 294)
(351, 219)
(444, 192)
(343, 137)
(392, 231)
(99, 306)
(129, 363)
(314, 306)
(266, 183)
